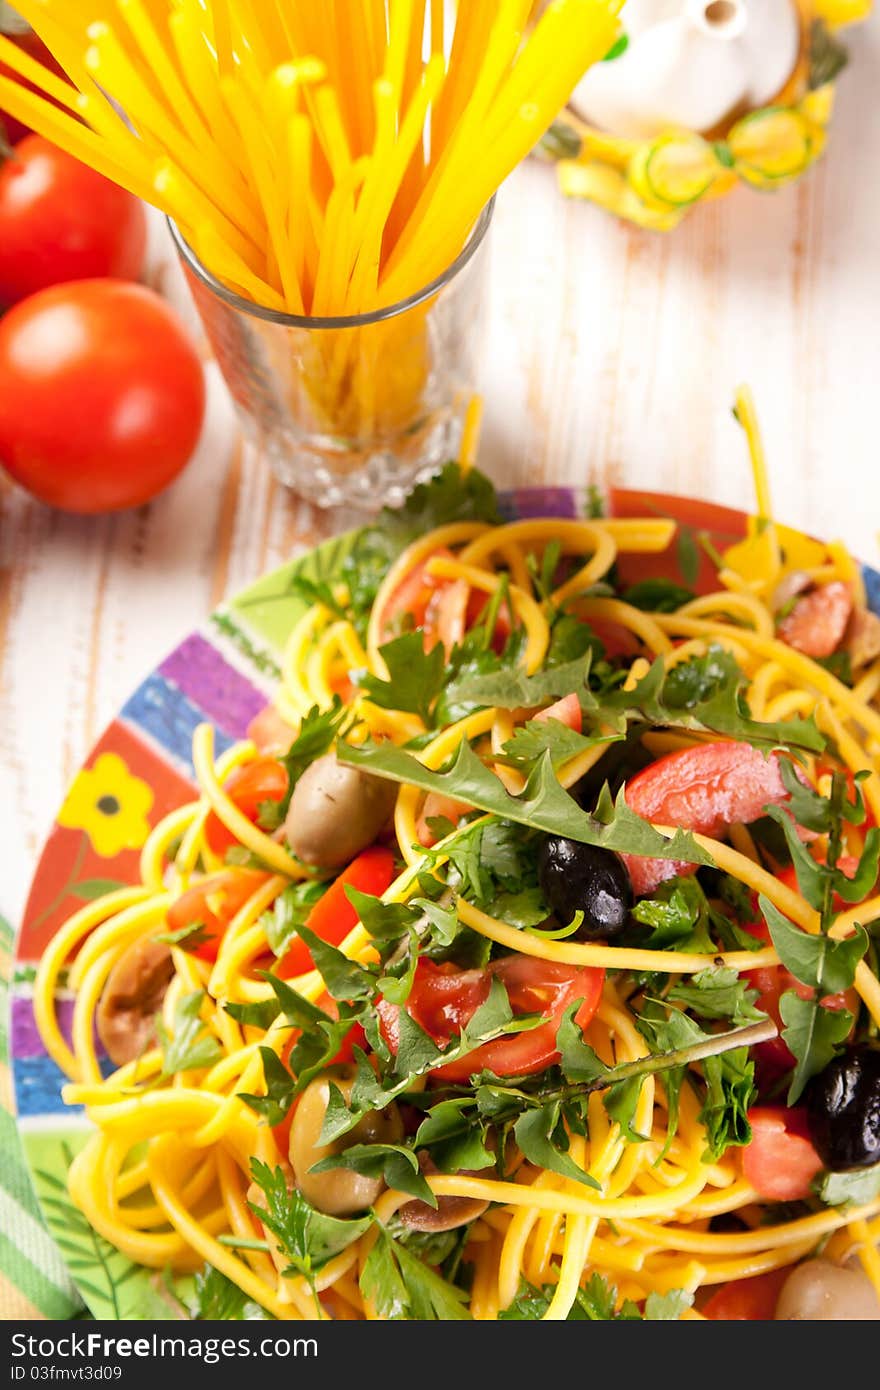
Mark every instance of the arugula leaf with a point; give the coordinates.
(190, 1047)
(854, 1189)
(720, 707)
(512, 688)
(813, 1034)
(543, 804)
(344, 978)
(824, 964)
(397, 1164)
(384, 921)
(400, 1286)
(260, 1015)
(280, 1090)
(730, 1090)
(577, 1060)
(717, 992)
(288, 913)
(541, 1136)
(217, 1299)
(416, 677)
(397, 982)
(455, 1143)
(620, 1102)
(306, 1237)
(190, 937)
(538, 736)
(657, 595)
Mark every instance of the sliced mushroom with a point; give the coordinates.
(450, 1212)
(132, 997)
(862, 639)
(335, 812)
(819, 1291)
(339, 1191)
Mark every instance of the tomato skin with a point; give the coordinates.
(233, 886)
(102, 395)
(60, 221)
(703, 788)
(264, 779)
(567, 711)
(333, 916)
(747, 1300)
(414, 593)
(444, 999)
(434, 806)
(780, 1161)
(446, 615)
(269, 732)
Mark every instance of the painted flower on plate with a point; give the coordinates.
(110, 804)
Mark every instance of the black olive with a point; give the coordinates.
(843, 1104)
(583, 878)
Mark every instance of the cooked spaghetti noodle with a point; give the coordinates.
(639, 1191)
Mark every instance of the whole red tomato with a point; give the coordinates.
(102, 395)
(61, 221)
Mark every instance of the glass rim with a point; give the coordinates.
(285, 320)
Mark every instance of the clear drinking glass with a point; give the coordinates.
(351, 410)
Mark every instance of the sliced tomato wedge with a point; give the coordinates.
(705, 788)
(333, 916)
(567, 711)
(211, 905)
(747, 1300)
(435, 806)
(444, 999)
(413, 594)
(269, 732)
(264, 779)
(779, 1161)
(446, 615)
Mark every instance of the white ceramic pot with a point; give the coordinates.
(691, 64)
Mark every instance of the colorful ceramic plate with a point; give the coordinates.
(140, 769)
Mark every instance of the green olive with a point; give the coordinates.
(339, 1191)
(335, 812)
(819, 1291)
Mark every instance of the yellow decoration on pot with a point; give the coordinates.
(655, 181)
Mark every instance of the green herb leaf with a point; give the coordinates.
(217, 1299)
(541, 1136)
(824, 964)
(190, 1047)
(416, 677)
(260, 1015)
(539, 736)
(717, 992)
(857, 1188)
(578, 1061)
(620, 1102)
(657, 596)
(397, 1164)
(543, 804)
(813, 1034)
(280, 1090)
(344, 978)
(511, 689)
(306, 1237)
(289, 912)
(401, 1287)
(317, 733)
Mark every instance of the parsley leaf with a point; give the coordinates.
(717, 992)
(190, 1047)
(400, 1286)
(306, 1237)
(317, 733)
(416, 677)
(597, 1302)
(217, 1299)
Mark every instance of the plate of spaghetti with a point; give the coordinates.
(477, 919)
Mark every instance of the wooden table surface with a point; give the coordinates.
(612, 355)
